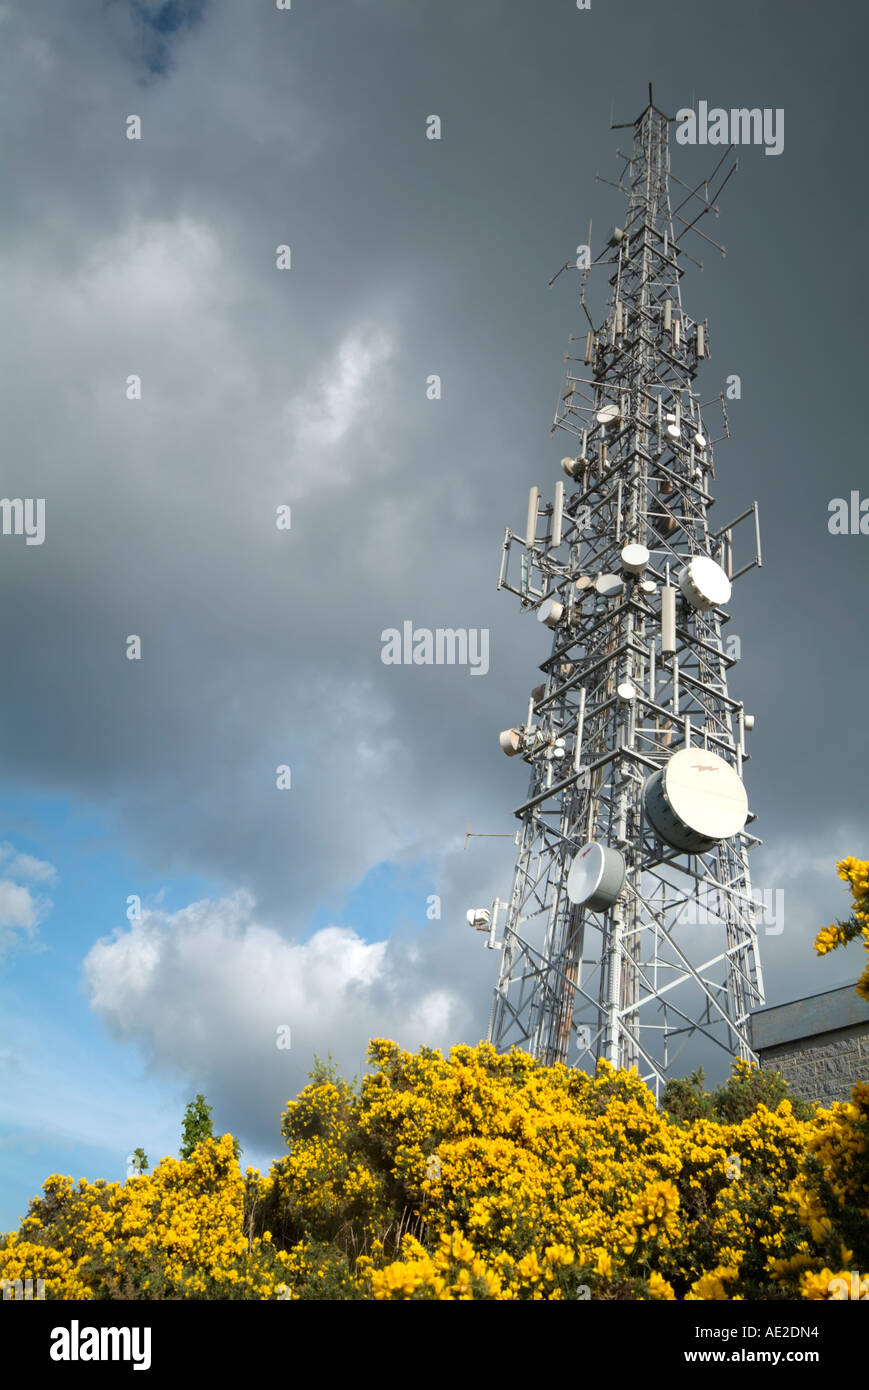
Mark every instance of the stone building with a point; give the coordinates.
(820, 1044)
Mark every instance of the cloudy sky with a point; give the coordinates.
(155, 779)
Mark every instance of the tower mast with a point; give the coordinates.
(631, 927)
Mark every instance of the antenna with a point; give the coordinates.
(486, 835)
(636, 805)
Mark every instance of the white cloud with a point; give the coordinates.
(154, 268)
(334, 406)
(25, 866)
(203, 992)
(20, 910)
(17, 907)
(327, 415)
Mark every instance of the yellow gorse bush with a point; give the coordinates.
(176, 1233)
(550, 1184)
(854, 872)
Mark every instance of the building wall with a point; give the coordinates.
(823, 1067)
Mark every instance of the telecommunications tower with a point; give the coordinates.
(630, 932)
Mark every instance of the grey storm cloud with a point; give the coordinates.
(260, 387)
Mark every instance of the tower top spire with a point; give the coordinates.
(629, 125)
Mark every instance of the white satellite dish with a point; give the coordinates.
(635, 558)
(609, 585)
(695, 800)
(608, 416)
(596, 877)
(570, 467)
(700, 440)
(478, 918)
(550, 612)
(674, 432)
(627, 692)
(586, 581)
(511, 742)
(648, 586)
(704, 583)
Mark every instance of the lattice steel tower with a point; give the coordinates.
(631, 927)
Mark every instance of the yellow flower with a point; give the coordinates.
(659, 1288)
(604, 1265)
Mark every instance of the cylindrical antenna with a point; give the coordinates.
(668, 619)
(668, 315)
(701, 345)
(531, 523)
(589, 348)
(580, 720)
(557, 513)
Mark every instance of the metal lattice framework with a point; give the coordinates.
(635, 983)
